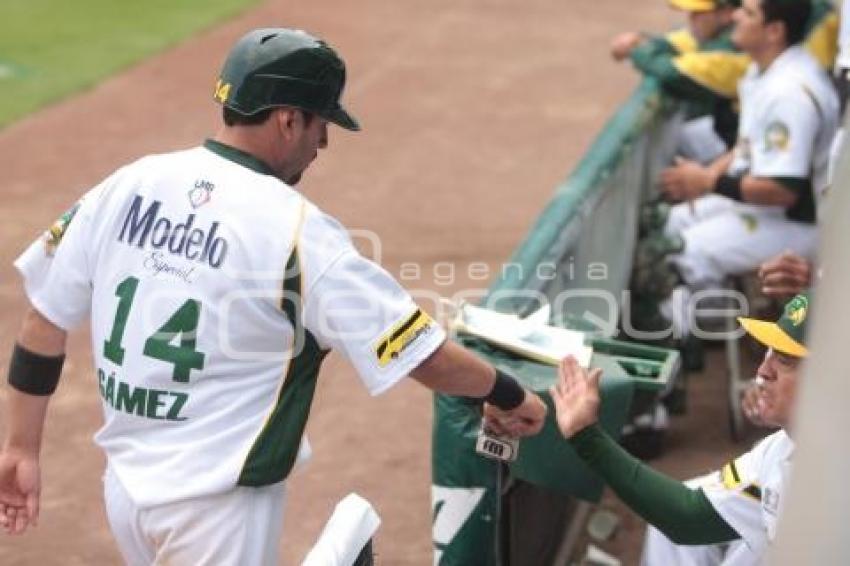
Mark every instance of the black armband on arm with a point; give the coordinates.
(729, 187)
(33, 373)
(507, 393)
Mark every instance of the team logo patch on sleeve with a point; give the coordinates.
(751, 223)
(732, 481)
(729, 476)
(57, 230)
(776, 136)
(401, 336)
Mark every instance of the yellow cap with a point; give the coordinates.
(773, 336)
(701, 5)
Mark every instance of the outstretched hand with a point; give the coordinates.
(20, 486)
(576, 396)
(525, 420)
(623, 45)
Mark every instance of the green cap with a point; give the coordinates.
(274, 67)
(788, 334)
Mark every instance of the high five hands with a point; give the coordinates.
(576, 399)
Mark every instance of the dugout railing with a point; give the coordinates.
(578, 258)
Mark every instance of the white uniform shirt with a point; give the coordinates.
(789, 115)
(214, 291)
(749, 493)
(842, 61)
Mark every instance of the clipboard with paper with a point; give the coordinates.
(531, 337)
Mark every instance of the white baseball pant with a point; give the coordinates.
(724, 237)
(241, 527)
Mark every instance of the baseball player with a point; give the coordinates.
(700, 67)
(759, 199)
(740, 502)
(214, 291)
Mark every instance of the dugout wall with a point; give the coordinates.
(577, 257)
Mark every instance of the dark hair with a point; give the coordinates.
(232, 118)
(308, 116)
(793, 13)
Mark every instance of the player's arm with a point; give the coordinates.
(33, 374)
(687, 180)
(393, 337)
(454, 370)
(684, 515)
(778, 191)
(653, 60)
(781, 172)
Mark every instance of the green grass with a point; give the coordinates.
(52, 48)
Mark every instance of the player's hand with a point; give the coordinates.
(785, 275)
(525, 420)
(576, 397)
(20, 486)
(623, 44)
(752, 403)
(686, 180)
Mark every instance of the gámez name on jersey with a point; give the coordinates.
(156, 404)
(179, 238)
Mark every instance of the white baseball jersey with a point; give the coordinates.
(789, 115)
(749, 493)
(214, 291)
(842, 61)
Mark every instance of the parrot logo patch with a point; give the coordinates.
(776, 136)
(201, 193)
(57, 230)
(770, 502)
(750, 222)
(797, 310)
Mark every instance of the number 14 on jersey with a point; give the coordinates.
(181, 326)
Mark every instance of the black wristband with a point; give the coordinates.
(729, 187)
(507, 393)
(33, 373)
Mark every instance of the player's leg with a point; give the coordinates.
(688, 214)
(738, 242)
(123, 516)
(241, 526)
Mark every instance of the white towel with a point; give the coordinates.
(353, 522)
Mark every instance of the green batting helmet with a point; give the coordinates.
(274, 67)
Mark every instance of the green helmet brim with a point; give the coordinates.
(342, 118)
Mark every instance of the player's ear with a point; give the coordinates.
(285, 119)
(777, 32)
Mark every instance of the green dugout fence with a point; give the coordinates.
(577, 258)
